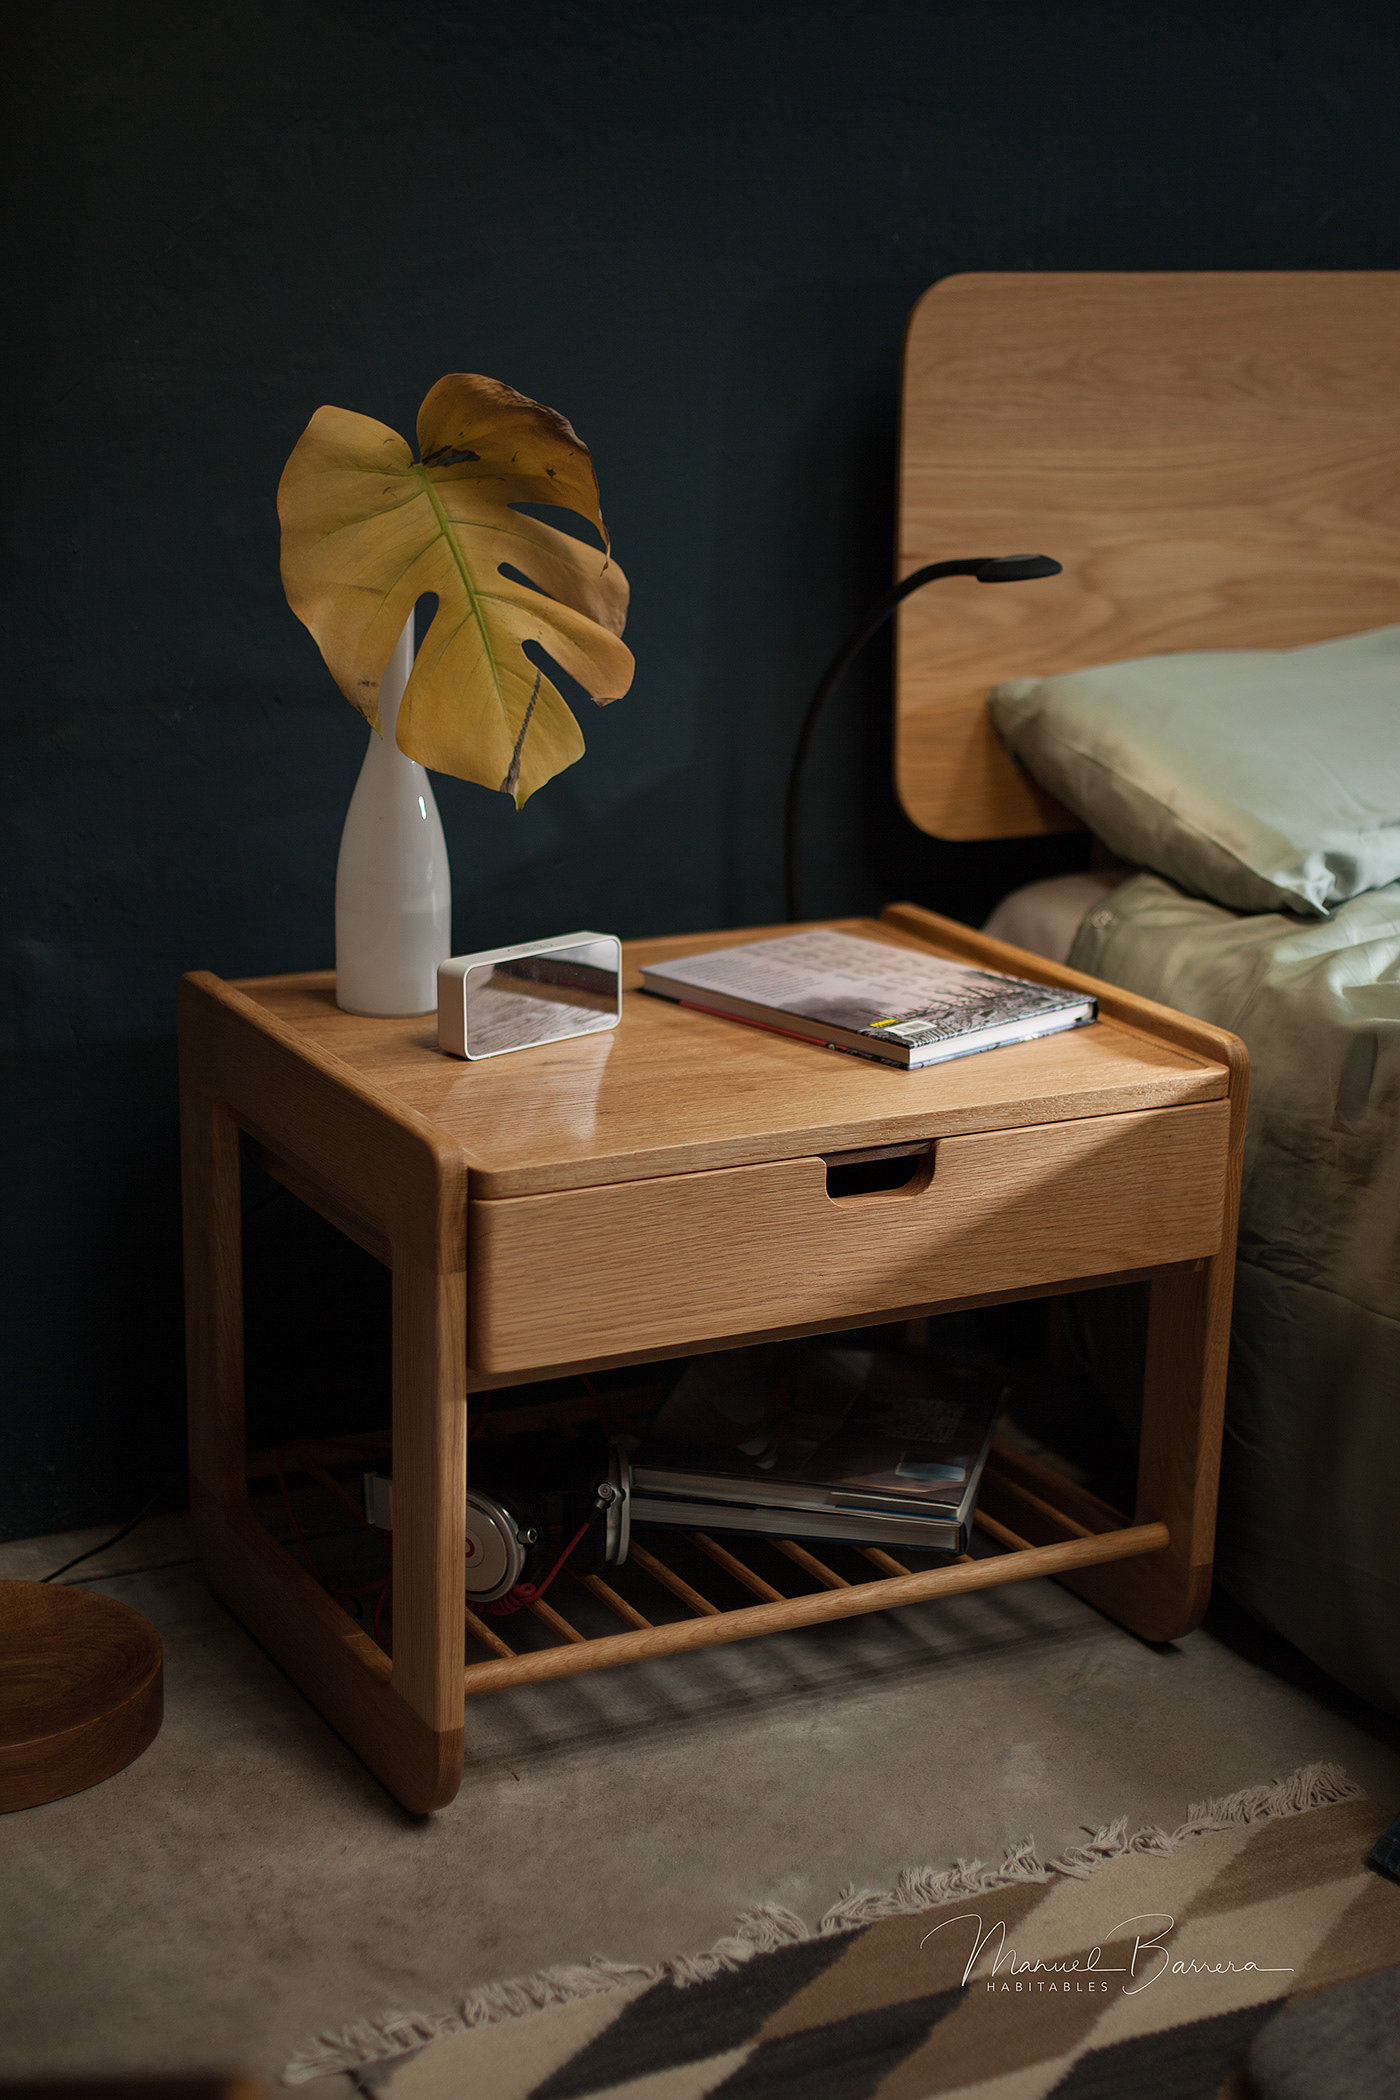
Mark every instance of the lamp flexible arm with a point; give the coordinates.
(987, 568)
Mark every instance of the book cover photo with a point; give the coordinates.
(902, 1006)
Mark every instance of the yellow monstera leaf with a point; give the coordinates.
(367, 530)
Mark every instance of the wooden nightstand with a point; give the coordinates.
(664, 1188)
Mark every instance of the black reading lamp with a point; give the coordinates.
(988, 568)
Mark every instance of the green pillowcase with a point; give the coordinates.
(1267, 779)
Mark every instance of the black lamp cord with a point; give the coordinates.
(117, 1536)
(987, 568)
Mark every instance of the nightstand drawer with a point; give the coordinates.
(641, 1265)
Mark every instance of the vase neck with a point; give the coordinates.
(396, 676)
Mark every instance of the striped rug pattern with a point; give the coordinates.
(1141, 1963)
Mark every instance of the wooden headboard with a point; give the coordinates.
(1214, 457)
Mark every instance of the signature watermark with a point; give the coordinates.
(1149, 1959)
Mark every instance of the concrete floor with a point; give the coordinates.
(246, 1884)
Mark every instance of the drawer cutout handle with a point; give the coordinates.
(879, 1170)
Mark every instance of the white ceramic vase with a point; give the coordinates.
(393, 889)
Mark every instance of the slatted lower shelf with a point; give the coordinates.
(707, 1624)
(663, 1597)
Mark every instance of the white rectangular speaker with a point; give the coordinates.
(538, 992)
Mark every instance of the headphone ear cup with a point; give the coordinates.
(617, 1532)
(500, 1546)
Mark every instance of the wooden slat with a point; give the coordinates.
(1002, 1532)
(480, 1631)
(878, 1558)
(1007, 1463)
(560, 1624)
(617, 1605)
(1007, 1488)
(732, 1565)
(801, 1558)
(886, 1562)
(813, 1608)
(675, 1583)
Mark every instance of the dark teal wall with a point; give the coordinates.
(697, 230)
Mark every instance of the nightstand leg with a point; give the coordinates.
(404, 1720)
(1163, 1595)
(213, 1234)
(430, 1460)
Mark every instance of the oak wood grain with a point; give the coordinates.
(342, 1671)
(1128, 1013)
(1213, 456)
(430, 1488)
(326, 1116)
(401, 1186)
(618, 1606)
(969, 1301)
(1188, 1342)
(673, 1177)
(671, 1090)
(655, 1264)
(80, 1690)
(1080, 1509)
(812, 1609)
(638, 1554)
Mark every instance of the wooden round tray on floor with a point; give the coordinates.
(80, 1690)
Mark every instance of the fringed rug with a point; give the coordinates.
(1143, 1963)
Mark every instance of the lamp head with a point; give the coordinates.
(1016, 568)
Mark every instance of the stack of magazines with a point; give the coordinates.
(873, 1447)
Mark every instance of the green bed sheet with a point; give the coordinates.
(1309, 1534)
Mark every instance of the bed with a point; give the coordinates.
(1215, 459)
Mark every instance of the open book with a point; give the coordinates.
(899, 1005)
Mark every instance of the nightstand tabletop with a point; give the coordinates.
(675, 1091)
